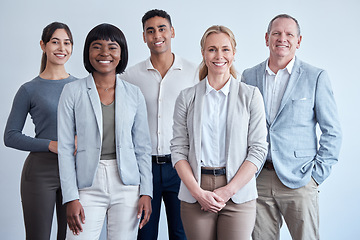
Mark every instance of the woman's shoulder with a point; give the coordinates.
(246, 87)
(132, 88)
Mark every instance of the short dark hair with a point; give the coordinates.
(284, 16)
(47, 33)
(154, 13)
(106, 32)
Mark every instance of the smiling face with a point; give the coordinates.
(157, 35)
(218, 54)
(283, 39)
(104, 56)
(58, 49)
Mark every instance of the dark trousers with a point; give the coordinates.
(166, 184)
(40, 192)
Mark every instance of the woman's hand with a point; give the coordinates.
(210, 201)
(53, 146)
(144, 206)
(75, 216)
(75, 145)
(224, 192)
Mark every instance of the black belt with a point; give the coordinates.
(161, 159)
(269, 166)
(215, 172)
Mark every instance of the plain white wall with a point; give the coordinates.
(330, 32)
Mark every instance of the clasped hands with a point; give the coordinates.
(213, 201)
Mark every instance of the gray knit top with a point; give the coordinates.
(38, 97)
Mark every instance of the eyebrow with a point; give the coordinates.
(111, 44)
(55, 38)
(160, 26)
(224, 46)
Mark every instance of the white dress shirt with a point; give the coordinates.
(160, 96)
(275, 87)
(213, 126)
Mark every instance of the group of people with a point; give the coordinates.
(229, 156)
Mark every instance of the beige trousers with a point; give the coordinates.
(234, 221)
(299, 207)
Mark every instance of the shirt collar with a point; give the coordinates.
(288, 67)
(225, 89)
(177, 64)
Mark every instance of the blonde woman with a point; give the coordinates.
(219, 143)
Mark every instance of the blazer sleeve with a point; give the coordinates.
(66, 145)
(257, 144)
(330, 138)
(180, 142)
(142, 146)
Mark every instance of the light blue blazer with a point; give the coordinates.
(308, 100)
(79, 113)
(245, 134)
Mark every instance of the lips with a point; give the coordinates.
(219, 64)
(59, 55)
(158, 43)
(104, 61)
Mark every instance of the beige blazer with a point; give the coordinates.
(245, 134)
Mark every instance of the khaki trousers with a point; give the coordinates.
(299, 207)
(234, 221)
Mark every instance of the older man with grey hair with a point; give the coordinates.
(297, 98)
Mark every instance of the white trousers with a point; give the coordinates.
(108, 197)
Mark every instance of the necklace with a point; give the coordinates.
(105, 89)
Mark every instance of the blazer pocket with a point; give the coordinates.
(305, 153)
(303, 110)
(308, 156)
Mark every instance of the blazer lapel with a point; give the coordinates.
(294, 78)
(261, 78)
(120, 104)
(95, 102)
(198, 107)
(233, 94)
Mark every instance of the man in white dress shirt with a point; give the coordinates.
(161, 77)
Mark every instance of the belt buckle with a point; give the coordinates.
(217, 172)
(157, 159)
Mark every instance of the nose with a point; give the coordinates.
(219, 54)
(282, 37)
(61, 46)
(104, 51)
(157, 34)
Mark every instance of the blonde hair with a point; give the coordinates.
(203, 72)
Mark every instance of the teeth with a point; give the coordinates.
(104, 61)
(219, 64)
(158, 43)
(60, 55)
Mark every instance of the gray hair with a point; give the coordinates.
(284, 16)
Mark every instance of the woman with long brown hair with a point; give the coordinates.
(40, 182)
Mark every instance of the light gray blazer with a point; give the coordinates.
(80, 113)
(245, 134)
(308, 100)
